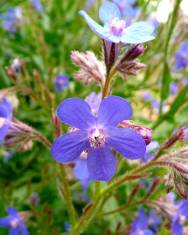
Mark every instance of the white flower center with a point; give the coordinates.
(182, 219)
(117, 27)
(97, 137)
(14, 223)
(84, 155)
(60, 82)
(140, 232)
(2, 121)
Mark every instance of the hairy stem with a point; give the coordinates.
(64, 189)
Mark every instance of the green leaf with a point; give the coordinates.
(167, 78)
(179, 101)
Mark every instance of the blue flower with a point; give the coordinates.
(182, 56)
(12, 18)
(145, 225)
(14, 222)
(185, 134)
(115, 30)
(150, 148)
(81, 171)
(5, 118)
(89, 3)
(7, 156)
(174, 88)
(61, 82)
(126, 8)
(97, 134)
(94, 101)
(37, 5)
(179, 218)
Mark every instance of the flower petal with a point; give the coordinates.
(176, 228)
(68, 147)
(127, 142)
(14, 231)
(75, 112)
(11, 211)
(114, 109)
(5, 222)
(138, 33)
(23, 229)
(98, 29)
(109, 11)
(4, 127)
(81, 172)
(101, 164)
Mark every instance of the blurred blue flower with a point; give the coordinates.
(37, 5)
(179, 218)
(81, 171)
(150, 148)
(115, 30)
(7, 156)
(61, 82)
(153, 20)
(67, 226)
(14, 222)
(89, 3)
(182, 56)
(145, 225)
(185, 134)
(5, 118)
(174, 88)
(97, 134)
(153, 221)
(126, 8)
(12, 18)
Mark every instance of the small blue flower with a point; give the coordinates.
(37, 5)
(14, 222)
(150, 148)
(126, 8)
(145, 225)
(61, 82)
(97, 134)
(115, 30)
(179, 218)
(174, 88)
(153, 221)
(7, 156)
(5, 118)
(12, 18)
(89, 3)
(182, 56)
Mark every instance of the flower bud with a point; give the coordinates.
(133, 53)
(129, 65)
(19, 135)
(145, 132)
(91, 69)
(110, 54)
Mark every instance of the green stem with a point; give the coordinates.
(67, 195)
(88, 216)
(93, 208)
(133, 175)
(106, 89)
(166, 47)
(96, 189)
